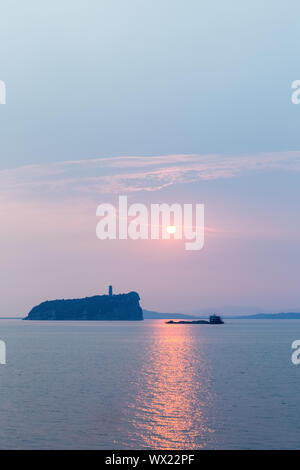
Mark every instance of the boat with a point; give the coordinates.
(213, 320)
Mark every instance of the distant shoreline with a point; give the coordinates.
(150, 315)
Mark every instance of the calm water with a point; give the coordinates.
(149, 385)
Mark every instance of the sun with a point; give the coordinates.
(171, 229)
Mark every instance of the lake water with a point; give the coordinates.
(148, 385)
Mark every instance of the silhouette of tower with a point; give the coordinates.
(110, 291)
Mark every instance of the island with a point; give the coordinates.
(120, 307)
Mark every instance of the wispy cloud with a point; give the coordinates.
(134, 173)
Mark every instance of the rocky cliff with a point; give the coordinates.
(100, 307)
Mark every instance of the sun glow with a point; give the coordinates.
(171, 229)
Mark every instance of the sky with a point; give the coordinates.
(162, 101)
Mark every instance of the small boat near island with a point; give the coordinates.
(213, 320)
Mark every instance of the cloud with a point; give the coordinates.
(117, 175)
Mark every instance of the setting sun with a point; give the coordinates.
(171, 229)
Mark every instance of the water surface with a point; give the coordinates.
(148, 385)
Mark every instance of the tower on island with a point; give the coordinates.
(110, 291)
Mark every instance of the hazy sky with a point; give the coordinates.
(200, 93)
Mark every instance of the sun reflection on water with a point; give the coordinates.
(174, 391)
